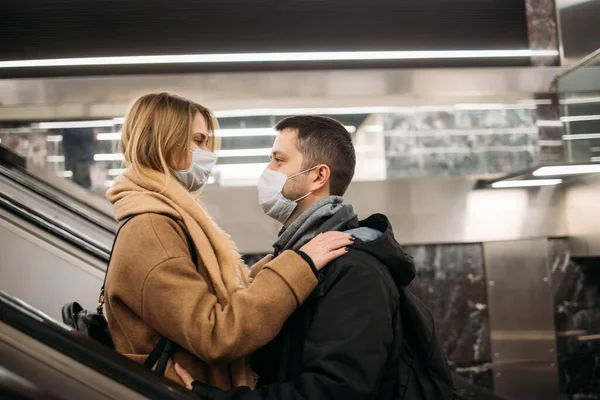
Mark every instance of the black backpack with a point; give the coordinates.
(95, 325)
(424, 371)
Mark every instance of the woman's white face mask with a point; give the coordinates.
(270, 196)
(196, 176)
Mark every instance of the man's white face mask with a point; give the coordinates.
(270, 196)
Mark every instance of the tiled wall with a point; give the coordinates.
(460, 142)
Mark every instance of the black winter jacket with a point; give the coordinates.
(344, 341)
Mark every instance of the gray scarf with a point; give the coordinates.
(327, 214)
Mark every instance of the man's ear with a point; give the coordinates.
(320, 177)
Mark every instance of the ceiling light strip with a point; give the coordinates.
(558, 170)
(582, 136)
(526, 183)
(580, 118)
(278, 57)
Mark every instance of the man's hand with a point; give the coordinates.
(185, 376)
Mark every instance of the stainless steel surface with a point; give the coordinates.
(55, 372)
(97, 203)
(588, 59)
(582, 212)
(578, 28)
(100, 97)
(521, 319)
(43, 271)
(425, 210)
(93, 233)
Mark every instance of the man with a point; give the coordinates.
(78, 148)
(345, 341)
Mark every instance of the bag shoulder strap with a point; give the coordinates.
(188, 239)
(165, 348)
(101, 298)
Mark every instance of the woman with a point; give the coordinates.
(153, 288)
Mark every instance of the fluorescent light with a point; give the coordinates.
(74, 124)
(536, 101)
(548, 123)
(595, 159)
(580, 100)
(551, 143)
(494, 106)
(582, 136)
(579, 118)
(101, 136)
(116, 171)
(54, 138)
(55, 159)
(219, 133)
(109, 136)
(67, 174)
(109, 157)
(372, 129)
(277, 57)
(244, 152)
(245, 132)
(362, 110)
(243, 170)
(566, 170)
(526, 183)
(239, 132)
(595, 149)
(304, 111)
(109, 183)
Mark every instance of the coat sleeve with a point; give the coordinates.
(346, 349)
(256, 268)
(179, 303)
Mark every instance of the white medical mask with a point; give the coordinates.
(274, 204)
(196, 176)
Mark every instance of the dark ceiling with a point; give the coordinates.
(83, 28)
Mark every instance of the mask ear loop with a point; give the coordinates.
(303, 197)
(303, 172)
(300, 173)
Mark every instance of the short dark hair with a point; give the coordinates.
(323, 140)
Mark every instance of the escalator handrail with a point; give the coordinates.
(54, 227)
(48, 194)
(31, 322)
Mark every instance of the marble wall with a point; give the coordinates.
(576, 292)
(542, 30)
(552, 145)
(451, 282)
(460, 142)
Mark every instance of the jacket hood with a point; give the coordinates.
(376, 237)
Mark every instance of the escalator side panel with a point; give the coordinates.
(44, 275)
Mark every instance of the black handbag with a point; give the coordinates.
(95, 326)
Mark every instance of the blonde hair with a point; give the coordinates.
(158, 129)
